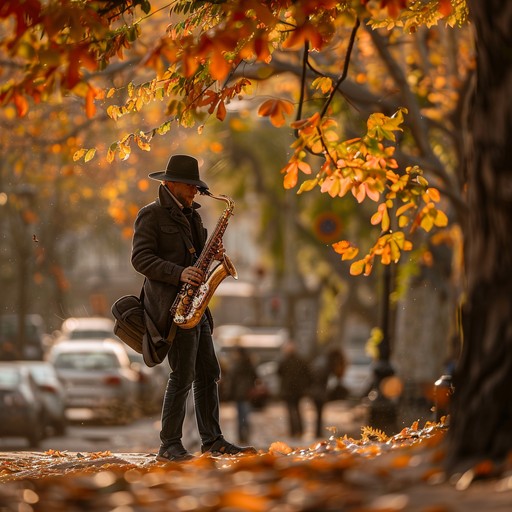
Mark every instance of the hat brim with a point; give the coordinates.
(163, 176)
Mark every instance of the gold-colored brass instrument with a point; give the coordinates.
(192, 300)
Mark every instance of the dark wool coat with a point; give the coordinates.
(162, 248)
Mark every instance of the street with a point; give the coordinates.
(267, 426)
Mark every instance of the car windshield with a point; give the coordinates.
(9, 378)
(87, 361)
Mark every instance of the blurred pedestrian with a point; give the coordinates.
(327, 371)
(295, 378)
(168, 236)
(242, 380)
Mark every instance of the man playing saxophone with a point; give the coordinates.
(168, 238)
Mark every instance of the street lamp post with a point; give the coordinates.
(383, 409)
(22, 200)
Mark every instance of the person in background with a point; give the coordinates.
(327, 368)
(295, 378)
(168, 237)
(242, 379)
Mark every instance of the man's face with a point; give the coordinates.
(183, 192)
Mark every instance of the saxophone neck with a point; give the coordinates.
(230, 203)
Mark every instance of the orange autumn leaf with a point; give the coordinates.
(291, 172)
(275, 110)
(347, 250)
(394, 6)
(445, 7)
(300, 35)
(279, 448)
(221, 111)
(357, 268)
(90, 107)
(219, 66)
(21, 104)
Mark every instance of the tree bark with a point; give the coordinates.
(482, 404)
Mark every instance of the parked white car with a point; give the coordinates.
(98, 377)
(86, 328)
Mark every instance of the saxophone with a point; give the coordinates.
(192, 300)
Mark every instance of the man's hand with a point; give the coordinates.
(192, 275)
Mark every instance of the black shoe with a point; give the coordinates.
(223, 447)
(174, 453)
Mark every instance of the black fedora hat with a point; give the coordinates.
(183, 169)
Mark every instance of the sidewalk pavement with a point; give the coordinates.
(270, 424)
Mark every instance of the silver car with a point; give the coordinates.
(21, 409)
(99, 380)
(52, 393)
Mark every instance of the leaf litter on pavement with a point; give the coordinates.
(374, 473)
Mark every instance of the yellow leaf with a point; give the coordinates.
(143, 144)
(356, 269)
(308, 185)
(427, 223)
(441, 220)
(394, 251)
(434, 195)
(403, 221)
(422, 181)
(404, 208)
(385, 220)
(323, 83)
(111, 154)
(90, 154)
(79, 154)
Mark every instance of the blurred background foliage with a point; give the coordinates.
(66, 222)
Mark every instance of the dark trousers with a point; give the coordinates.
(319, 409)
(243, 408)
(194, 366)
(294, 417)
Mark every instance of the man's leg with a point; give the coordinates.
(206, 394)
(206, 399)
(182, 356)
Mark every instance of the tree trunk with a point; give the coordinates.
(482, 404)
